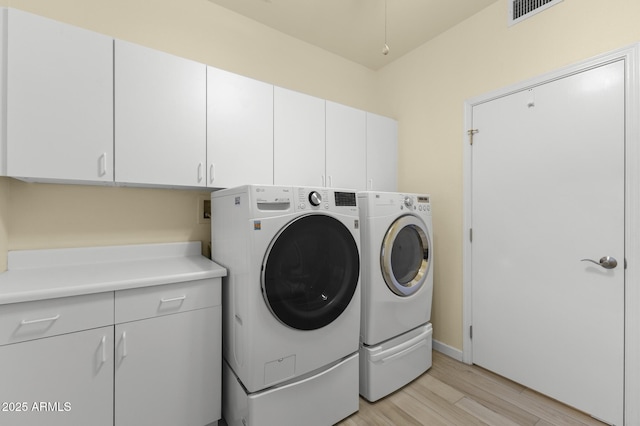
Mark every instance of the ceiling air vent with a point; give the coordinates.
(519, 10)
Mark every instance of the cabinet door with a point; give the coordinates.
(62, 380)
(382, 153)
(239, 130)
(346, 147)
(168, 369)
(299, 139)
(160, 117)
(59, 100)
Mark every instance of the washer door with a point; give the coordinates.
(310, 272)
(404, 256)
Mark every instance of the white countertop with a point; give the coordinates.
(45, 274)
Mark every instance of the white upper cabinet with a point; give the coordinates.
(346, 147)
(299, 139)
(382, 153)
(82, 107)
(59, 101)
(239, 130)
(160, 118)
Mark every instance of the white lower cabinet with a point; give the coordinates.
(144, 356)
(168, 370)
(168, 356)
(56, 361)
(61, 380)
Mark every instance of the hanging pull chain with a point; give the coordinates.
(385, 48)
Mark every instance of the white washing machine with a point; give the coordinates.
(397, 290)
(291, 303)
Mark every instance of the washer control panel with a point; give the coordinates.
(324, 199)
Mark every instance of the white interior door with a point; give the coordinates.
(548, 191)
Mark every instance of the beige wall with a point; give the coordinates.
(426, 91)
(49, 215)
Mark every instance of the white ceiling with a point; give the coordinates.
(355, 29)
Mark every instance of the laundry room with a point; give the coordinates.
(425, 109)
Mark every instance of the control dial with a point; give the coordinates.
(408, 202)
(315, 198)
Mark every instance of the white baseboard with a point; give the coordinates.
(447, 350)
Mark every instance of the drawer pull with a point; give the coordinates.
(50, 319)
(173, 299)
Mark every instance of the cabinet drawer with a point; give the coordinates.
(33, 320)
(147, 302)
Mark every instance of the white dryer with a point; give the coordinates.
(291, 303)
(397, 290)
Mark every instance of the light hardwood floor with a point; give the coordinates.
(453, 393)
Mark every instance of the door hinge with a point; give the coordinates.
(470, 235)
(472, 132)
(470, 332)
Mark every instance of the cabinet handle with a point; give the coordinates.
(50, 319)
(322, 177)
(329, 181)
(103, 164)
(199, 172)
(212, 173)
(370, 183)
(173, 299)
(103, 343)
(124, 344)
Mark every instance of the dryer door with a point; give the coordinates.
(310, 272)
(404, 256)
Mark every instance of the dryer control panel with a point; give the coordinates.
(377, 204)
(415, 203)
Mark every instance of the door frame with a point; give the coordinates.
(631, 56)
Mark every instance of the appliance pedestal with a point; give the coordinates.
(387, 367)
(323, 398)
